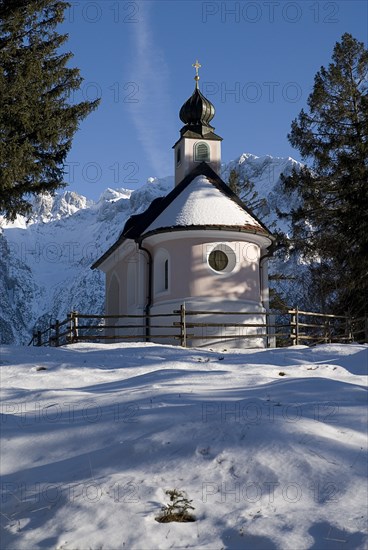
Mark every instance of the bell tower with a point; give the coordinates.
(198, 142)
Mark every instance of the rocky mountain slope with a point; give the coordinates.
(45, 259)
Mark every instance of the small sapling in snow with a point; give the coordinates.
(177, 509)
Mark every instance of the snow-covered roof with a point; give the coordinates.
(201, 200)
(203, 204)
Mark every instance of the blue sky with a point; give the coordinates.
(258, 58)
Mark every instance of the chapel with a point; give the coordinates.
(199, 246)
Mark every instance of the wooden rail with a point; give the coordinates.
(280, 328)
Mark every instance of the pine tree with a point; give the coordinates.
(233, 182)
(330, 225)
(37, 120)
(247, 192)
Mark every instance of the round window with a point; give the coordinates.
(218, 260)
(222, 258)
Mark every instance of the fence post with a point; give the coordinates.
(39, 338)
(294, 326)
(268, 337)
(348, 328)
(74, 326)
(270, 330)
(69, 337)
(327, 336)
(57, 332)
(183, 328)
(297, 327)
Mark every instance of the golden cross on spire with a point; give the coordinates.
(196, 65)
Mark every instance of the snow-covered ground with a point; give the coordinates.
(270, 445)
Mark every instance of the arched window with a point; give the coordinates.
(166, 274)
(201, 152)
(178, 156)
(131, 288)
(161, 271)
(113, 296)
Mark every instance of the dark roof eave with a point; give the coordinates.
(211, 136)
(251, 229)
(108, 252)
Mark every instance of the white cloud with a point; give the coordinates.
(153, 114)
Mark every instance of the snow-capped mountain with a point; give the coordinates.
(45, 258)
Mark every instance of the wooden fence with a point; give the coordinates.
(280, 328)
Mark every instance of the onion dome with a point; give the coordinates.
(197, 110)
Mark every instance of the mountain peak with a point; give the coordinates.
(47, 257)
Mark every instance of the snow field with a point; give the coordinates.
(270, 460)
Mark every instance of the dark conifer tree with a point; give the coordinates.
(330, 225)
(37, 118)
(247, 192)
(233, 182)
